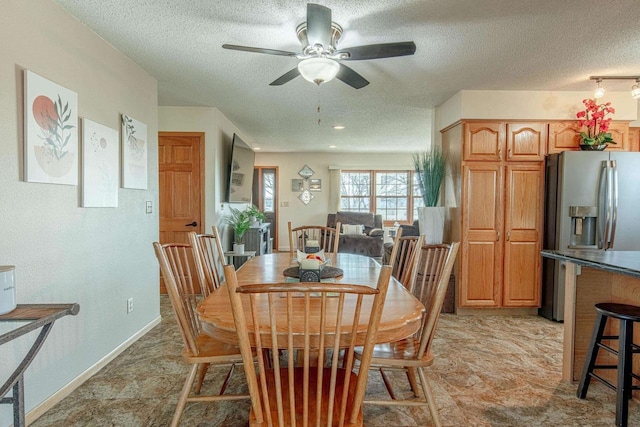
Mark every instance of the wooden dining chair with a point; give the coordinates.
(326, 394)
(199, 349)
(414, 353)
(209, 257)
(404, 261)
(327, 237)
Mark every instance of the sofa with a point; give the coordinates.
(367, 240)
(407, 230)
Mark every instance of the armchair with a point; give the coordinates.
(368, 242)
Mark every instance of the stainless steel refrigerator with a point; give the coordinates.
(592, 202)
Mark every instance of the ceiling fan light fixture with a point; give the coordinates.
(318, 70)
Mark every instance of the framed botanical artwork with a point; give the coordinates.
(297, 184)
(134, 153)
(100, 165)
(50, 131)
(315, 185)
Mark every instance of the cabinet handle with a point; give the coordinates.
(498, 239)
(500, 153)
(509, 153)
(508, 236)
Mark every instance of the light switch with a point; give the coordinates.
(284, 204)
(149, 207)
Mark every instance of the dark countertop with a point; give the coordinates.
(621, 262)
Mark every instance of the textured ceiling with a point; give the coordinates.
(550, 45)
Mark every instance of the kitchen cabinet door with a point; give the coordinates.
(620, 134)
(481, 261)
(634, 139)
(523, 210)
(526, 141)
(565, 136)
(484, 141)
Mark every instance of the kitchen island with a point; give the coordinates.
(592, 277)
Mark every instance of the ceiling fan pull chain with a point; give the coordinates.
(318, 105)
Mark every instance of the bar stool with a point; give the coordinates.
(627, 315)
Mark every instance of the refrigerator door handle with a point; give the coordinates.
(603, 206)
(614, 202)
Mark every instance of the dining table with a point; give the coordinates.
(401, 315)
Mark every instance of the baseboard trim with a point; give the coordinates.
(47, 404)
(515, 311)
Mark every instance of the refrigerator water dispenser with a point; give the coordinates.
(583, 227)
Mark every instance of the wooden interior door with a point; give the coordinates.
(482, 190)
(265, 197)
(180, 184)
(523, 234)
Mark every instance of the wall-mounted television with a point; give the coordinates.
(240, 172)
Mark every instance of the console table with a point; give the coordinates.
(38, 316)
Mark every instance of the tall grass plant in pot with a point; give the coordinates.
(431, 168)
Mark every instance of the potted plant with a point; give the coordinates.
(593, 118)
(255, 216)
(431, 168)
(240, 223)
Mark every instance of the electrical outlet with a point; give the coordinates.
(149, 208)
(129, 305)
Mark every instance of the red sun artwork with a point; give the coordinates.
(44, 112)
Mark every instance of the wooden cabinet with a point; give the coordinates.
(634, 139)
(505, 141)
(526, 141)
(565, 136)
(481, 256)
(523, 216)
(500, 195)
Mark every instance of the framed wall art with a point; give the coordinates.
(315, 185)
(99, 165)
(51, 132)
(134, 153)
(297, 184)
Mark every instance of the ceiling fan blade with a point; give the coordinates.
(286, 77)
(351, 78)
(318, 25)
(375, 51)
(258, 50)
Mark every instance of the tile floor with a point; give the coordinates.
(489, 371)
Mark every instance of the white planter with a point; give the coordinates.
(431, 223)
(238, 248)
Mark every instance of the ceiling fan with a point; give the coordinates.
(319, 37)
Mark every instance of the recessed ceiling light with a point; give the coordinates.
(338, 127)
(332, 146)
(256, 148)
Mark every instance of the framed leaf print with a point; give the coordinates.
(134, 153)
(51, 131)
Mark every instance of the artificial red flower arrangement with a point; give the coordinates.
(593, 118)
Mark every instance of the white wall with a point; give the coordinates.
(526, 105)
(315, 213)
(218, 136)
(96, 257)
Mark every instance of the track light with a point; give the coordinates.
(599, 92)
(635, 90)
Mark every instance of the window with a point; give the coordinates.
(355, 191)
(392, 191)
(392, 194)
